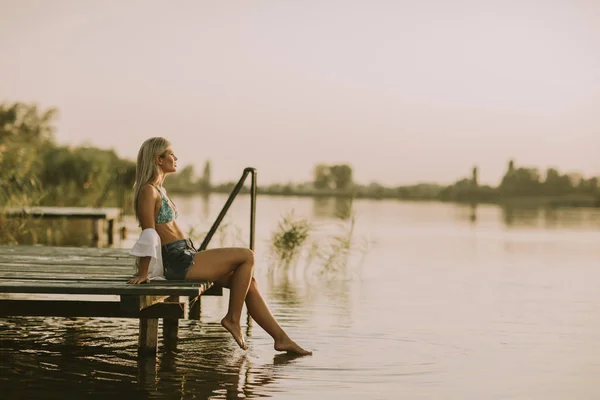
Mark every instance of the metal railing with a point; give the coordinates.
(228, 203)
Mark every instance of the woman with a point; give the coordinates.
(229, 267)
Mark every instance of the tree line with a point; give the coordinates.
(527, 184)
(34, 169)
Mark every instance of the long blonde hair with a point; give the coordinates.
(147, 170)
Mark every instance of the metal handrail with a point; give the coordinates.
(232, 196)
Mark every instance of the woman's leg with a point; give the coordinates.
(211, 265)
(259, 311)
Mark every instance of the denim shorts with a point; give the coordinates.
(178, 258)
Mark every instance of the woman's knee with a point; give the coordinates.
(248, 256)
(253, 285)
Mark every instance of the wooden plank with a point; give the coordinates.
(65, 260)
(58, 261)
(81, 275)
(64, 212)
(58, 266)
(170, 311)
(214, 290)
(66, 308)
(45, 275)
(134, 303)
(71, 269)
(59, 280)
(113, 279)
(54, 251)
(172, 288)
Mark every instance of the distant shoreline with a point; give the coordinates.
(570, 200)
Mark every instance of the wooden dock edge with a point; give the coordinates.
(171, 311)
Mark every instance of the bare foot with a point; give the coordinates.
(236, 331)
(291, 347)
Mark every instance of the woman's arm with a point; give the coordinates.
(146, 211)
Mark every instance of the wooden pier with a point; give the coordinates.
(97, 215)
(29, 271)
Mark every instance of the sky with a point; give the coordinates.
(403, 91)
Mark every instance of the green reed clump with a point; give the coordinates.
(326, 252)
(289, 238)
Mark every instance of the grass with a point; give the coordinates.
(288, 240)
(329, 253)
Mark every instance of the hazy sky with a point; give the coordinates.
(404, 91)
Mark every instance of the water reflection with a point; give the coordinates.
(55, 232)
(333, 207)
(549, 217)
(520, 216)
(214, 373)
(283, 289)
(473, 213)
(219, 374)
(38, 365)
(512, 216)
(205, 200)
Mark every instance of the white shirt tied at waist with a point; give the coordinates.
(148, 245)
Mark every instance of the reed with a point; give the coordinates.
(287, 241)
(329, 253)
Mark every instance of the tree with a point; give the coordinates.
(589, 186)
(556, 184)
(26, 123)
(520, 181)
(322, 177)
(341, 176)
(25, 131)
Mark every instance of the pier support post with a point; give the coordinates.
(97, 227)
(148, 339)
(111, 232)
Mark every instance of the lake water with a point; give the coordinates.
(436, 301)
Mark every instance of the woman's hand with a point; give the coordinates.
(141, 275)
(139, 279)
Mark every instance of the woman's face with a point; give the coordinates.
(168, 161)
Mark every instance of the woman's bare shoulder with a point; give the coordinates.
(148, 188)
(149, 191)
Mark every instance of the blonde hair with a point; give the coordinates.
(147, 170)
